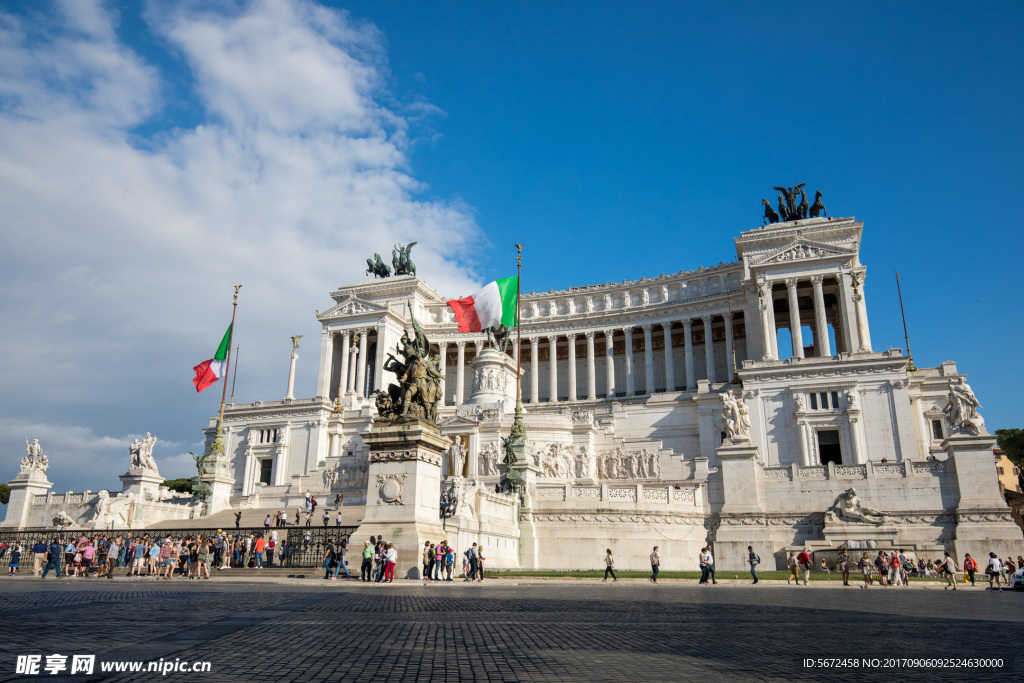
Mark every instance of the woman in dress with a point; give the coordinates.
(866, 565)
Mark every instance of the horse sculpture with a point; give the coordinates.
(769, 214)
(377, 267)
(801, 211)
(401, 261)
(817, 208)
(501, 335)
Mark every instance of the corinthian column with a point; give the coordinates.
(291, 376)
(343, 374)
(670, 369)
(860, 308)
(728, 348)
(534, 369)
(591, 369)
(571, 338)
(442, 347)
(648, 359)
(553, 369)
(709, 348)
(630, 381)
(609, 354)
(460, 373)
(361, 376)
(820, 325)
(350, 383)
(691, 381)
(794, 320)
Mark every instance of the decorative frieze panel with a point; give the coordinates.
(930, 467)
(391, 488)
(591, 492)
(683, 496)
(812, 472)
(778, 473)
(656, 495)
(622, 494)
(852, 471)
(583, 518)
(888, 470)
(403, 455)
(551, 493)
(620, 464)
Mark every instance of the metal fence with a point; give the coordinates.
(304, 546)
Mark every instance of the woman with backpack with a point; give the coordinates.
(994, 571)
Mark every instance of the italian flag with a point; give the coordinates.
(495, 304)
(209, 371)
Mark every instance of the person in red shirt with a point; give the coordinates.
(970, 566)
(804, 560)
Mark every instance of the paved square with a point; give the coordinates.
(503, 631)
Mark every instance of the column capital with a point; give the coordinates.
(461, 343)
(442, 345)
(647, 327)
(688, 323)
(706, 318)
(571, 337)
(628, 331)
(816, 280)
(552, 338)
(535, 341)
(608, 333)
(590, 334)
(791, 282)
(345, 334)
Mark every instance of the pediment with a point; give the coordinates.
(802, 250)
(349, 307)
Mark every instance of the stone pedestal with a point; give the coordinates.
(741, 521)
(494, 379)
(404, 491)
(983, 520)
(141, 482)
(24, 488)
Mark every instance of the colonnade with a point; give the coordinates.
(582, 383)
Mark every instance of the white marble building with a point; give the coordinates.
(623, 385)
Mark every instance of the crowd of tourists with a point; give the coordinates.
(190, 557)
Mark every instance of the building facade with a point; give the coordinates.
(732, 405)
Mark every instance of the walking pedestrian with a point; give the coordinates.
(427, 559)
(791, 563)
(471, 554)
(709, 561)
(949, 568)
(609, 566)
(337, 522)
(655, 565)
(480, 561)
(994, 571)
(753, 559)
(53, 553)
(804, 560)
(38, 557)
(970, 566)
(329, 560)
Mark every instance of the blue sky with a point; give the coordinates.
(154, 154)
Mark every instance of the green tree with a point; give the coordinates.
(1012, 443)
(5, 493)
(179, 485)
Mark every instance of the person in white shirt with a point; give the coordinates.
(391, 558)
(993, 570)
(708, 561)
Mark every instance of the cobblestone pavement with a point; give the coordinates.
(455, 632)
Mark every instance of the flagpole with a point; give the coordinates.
(217, 447)
(519, 334)
(910, 356)
(227, 369)
(234, 376)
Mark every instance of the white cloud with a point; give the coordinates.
(119, 253)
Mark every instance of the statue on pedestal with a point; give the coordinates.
(737, 418)
(140, 453)
(847, 505)
(34, 462)
(963, 409)
(419, 387)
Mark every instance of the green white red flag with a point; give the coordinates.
(209, 371)
(497, 303)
